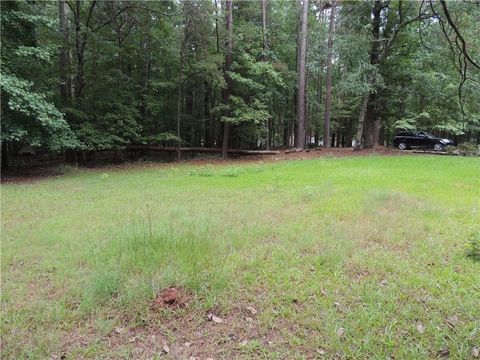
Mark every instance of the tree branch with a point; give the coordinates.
(402, 24)
(158, 12)
(112, 18)
(459, 35)
(90, 11)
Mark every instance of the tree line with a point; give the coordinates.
(91, 75)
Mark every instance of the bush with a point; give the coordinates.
(469, 149)
(473, 248)
(63, 169)
(464, 149)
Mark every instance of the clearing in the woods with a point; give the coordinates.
(352, 257)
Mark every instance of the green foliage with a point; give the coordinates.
(131, 56)
(473, 248)
(22, 99)
(48, 127)
(160, 139)
(29, 116)
(17, 18)
(44, 54)
(255, 111)
(255, 84)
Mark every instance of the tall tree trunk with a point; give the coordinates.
(228, 64)
(265, 48)
(216, 27)
(264, 26)
(294, 125)
(370, 121)
(179, 103)
(4, 155)
(361, 122)
(320, 97)
(328, 89)
(81, 36)
(370, 111)
(63, 56)
(118, 31)
(179, 87)
(302, 38)
(305, 105)
(207, 115)
(79, 49)
(146, 67)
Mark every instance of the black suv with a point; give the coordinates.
(420, 139)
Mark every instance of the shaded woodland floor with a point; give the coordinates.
(329, 257)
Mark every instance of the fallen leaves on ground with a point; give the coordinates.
(420, 327)
(443, 353)
(452, 321)
(216, 319)
(252, 310)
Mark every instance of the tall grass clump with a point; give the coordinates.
(146, 258)
(473, 248)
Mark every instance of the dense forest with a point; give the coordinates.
(82, 76)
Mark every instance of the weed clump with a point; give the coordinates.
(473, 248)
(232, 172)
(204, 171)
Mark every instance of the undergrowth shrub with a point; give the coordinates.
(63, 169)
(473, 247)
(464, 149)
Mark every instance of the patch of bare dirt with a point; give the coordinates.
(172, 297)
(187, 333)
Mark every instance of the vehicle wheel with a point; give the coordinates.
(402, 146)
(438, 147)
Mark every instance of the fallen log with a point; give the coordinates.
(201, 149)
(431, 152)
(293, 151)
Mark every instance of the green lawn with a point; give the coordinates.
(355, 258)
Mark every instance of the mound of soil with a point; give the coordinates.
(171, 297)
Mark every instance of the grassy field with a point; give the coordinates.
(348, 258)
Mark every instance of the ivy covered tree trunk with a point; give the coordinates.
(302, 53)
